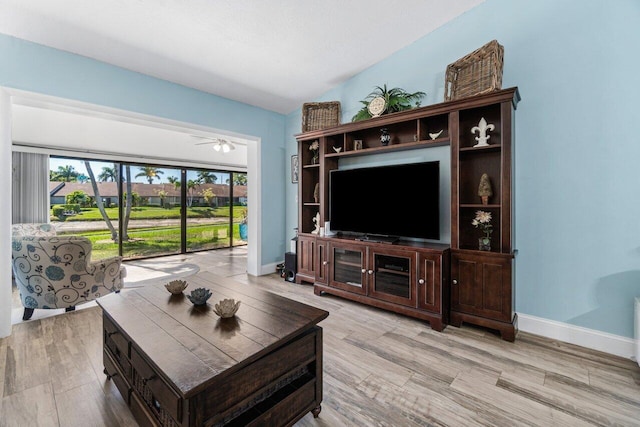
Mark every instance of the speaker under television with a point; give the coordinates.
(290, 266)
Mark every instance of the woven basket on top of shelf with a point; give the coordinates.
(320, 115)
(476, 73)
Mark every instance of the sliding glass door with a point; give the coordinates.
(84, 201)
(207, 210)
(240, 210)
(152, 211)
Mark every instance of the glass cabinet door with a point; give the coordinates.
(393, 277)
(347, 268)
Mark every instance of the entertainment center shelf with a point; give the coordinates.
(443, 284)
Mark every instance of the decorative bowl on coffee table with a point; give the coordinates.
(176, 286)
(199, 296)
(226, 308)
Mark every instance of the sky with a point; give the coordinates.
(97, 166)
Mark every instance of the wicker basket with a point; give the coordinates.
(476, 73)
(320, 115)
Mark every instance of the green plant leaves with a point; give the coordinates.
(397, 99)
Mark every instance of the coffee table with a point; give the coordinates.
(176, 364)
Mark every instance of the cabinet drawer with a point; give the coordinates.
(118, 345)
(158, 395)
(116, 376)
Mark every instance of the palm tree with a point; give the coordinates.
(173, 179)
(128, 203)
(107, 174)
(65, 173)
(150, 173)
(191, 184)
(99, 204)
(239, 178)
(206, 177)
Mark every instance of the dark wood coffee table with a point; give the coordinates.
(180, 365)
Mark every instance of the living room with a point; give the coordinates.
(577, 253)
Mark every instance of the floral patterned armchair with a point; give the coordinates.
(57, 272)
(32, 229)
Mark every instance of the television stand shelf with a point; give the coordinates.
(377, 239)
(405, 277)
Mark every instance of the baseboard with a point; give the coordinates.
(589, 338)
(269, 268)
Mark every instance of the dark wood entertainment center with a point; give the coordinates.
(443, 284)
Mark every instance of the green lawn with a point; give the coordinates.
(154, 212)
(160, 240)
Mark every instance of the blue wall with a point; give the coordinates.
(36, 68)
(577, 204)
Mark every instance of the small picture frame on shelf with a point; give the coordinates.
(295, 169)
(357, 144)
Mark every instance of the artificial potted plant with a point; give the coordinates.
(395, 99)
(483, 222)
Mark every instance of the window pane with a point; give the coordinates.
(151, 218)
(84, 194)
(240, 211)
(208, 212)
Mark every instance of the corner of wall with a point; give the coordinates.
(5, 214)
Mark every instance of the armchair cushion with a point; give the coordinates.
(57, 271)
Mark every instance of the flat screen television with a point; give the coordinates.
(397, 200)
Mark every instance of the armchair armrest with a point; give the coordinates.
(113, 270)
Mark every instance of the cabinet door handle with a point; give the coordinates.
(421, 281)
(364, 270)
(145, 380)
(370, 271)
(325, 263)
(455, 282)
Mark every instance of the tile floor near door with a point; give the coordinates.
(380, 369)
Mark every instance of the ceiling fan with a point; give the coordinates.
(219, 144)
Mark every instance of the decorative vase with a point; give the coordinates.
(385, 138)
(484, 243)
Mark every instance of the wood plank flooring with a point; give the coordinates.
(380, 369)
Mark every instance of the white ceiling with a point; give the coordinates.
(275, 54)
(86, 134)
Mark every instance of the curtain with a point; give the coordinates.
(30, 188)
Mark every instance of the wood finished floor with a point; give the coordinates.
(380, 369)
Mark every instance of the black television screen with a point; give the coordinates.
(397, 200)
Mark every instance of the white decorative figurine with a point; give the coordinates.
(316, 224)
(435, 135)
(482, 129)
